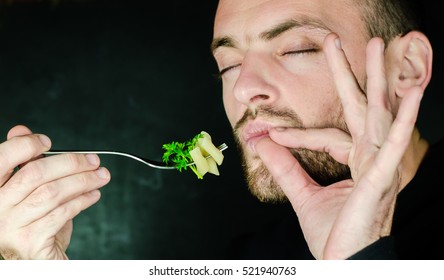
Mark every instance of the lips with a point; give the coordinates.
(254, 131)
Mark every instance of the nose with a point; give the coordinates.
(254, 84)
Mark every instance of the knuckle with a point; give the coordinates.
(24, 145)
(48, 192)
(60, 213)
(16, 148)
(82, 180)
(44, 196)
(31, 172)
(74, 161)
(27, 143)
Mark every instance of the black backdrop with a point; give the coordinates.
(127, 76)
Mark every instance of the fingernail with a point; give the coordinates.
(102, 173)
(93, 159)
(338, 44)
(280, 128)
(45, 140)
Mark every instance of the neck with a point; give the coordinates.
(413, 157)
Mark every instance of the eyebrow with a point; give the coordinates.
(275, 31)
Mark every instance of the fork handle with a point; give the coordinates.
(151, 163)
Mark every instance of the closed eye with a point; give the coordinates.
(287, 53)
(299, 52)
(226, 69)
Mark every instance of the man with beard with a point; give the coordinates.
(323, 98)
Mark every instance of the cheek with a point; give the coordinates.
(316, 102)
(328, 110)
(231, 109)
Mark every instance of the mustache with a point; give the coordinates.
(268, 112)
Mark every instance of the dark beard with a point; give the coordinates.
(321, 167)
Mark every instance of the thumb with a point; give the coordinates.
(285, 169)
(18, 130)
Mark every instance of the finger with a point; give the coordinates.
(20, 149)
(51, 195)
(285, 169)
(45, 170)
(21, 130)
(352, 98)
(18, 130)
(379, 115)
(333, 141)
(401, 131)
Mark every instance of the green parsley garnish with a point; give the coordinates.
(179, 154)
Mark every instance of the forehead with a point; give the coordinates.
(246, 19)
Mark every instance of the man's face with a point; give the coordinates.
(275, 74)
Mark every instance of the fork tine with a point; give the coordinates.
(223, 147)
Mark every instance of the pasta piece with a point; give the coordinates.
(212, 166)
(209, 149)
(199, 161)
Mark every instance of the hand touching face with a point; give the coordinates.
(340, 219)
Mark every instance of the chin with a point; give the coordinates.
(262, 185)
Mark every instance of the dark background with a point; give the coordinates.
(130, 76)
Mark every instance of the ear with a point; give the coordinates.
(413, 56)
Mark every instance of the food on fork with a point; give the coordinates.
(200, 150)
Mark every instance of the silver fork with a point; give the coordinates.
(149, 162)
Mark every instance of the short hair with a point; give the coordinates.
(388, 18)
